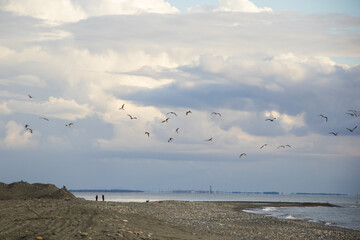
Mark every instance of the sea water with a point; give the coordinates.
(347, 215)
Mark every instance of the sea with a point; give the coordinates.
(347, 215)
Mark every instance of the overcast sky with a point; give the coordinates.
(81, 60)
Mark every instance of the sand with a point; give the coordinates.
(74, 218)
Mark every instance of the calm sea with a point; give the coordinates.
(347, 215)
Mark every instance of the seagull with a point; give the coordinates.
(287, 145)
(131, 117)
(170, 139)
(351, 130)
(166, 120)
(282, 146)
(26, 126)
(270, 119)
(243, 154)
(147, 133)
(323, 116)
(29, 129)
(69, 124)
(216, 113)
(122, 107)
(30, 96)
(172, 113)
(46, 119)
(177, 130)
(334, 133)
(265, 145)
(354, 113)
(208, 140)
(188, 112)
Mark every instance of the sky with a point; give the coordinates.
(80, 61)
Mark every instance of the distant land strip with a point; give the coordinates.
(105, 190)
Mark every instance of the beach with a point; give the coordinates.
(75, 218)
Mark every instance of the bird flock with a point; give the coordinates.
(352, 113)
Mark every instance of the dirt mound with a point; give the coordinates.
(24, 190)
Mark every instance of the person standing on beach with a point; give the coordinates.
(103, 197)
(96, 197)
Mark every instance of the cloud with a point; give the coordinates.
(63, 11)
(240, 6)
(17, 137)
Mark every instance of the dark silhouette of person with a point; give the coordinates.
(103, 197)
(96, 197)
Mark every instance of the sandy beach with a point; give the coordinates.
(82, 219)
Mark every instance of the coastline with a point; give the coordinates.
(82, 219)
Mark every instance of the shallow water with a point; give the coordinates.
(347, 215)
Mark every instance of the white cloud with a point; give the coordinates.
(240, 6)
(63, 11)
(18, 137)
(53, 12)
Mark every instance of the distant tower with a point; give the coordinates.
(211, 191)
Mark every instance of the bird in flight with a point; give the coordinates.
(174, 113)
(270, 119)
(188, 112)
(323, 116)
(216, 113)
(131, 117)
(287, 145)
(30, 96)
(177, 130)
(26, 126)
(29, 129)
(265, 145)
(166, 120)
(208, 140)
(170, 139)
(147, 133)
(281, 146)
(122, 107)
(46, 119)
(334, 133)
(354, 113)
(351, 130)
(69, 124)
(243, 154)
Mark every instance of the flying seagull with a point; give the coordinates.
(265, 145)
(69, 124)
(177, 130)
(26, 126)
(351, 130)
(243, 154)
(122, 107)
(287, 145)
(131, 117)
(270, 119)
(354, 113)
(334, 133)
(46, 119)
(166, 120)
(281, 146)
(170, 139)
(147, 133)
(30, 96)
(29, 129)
(323, 116)
(208, 140)
(174, 113)
(216, 113)
(188, 112)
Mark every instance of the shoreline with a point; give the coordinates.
(85, 219)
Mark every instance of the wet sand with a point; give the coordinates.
(81, 219)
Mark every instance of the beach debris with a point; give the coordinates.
(39, 238)
(83, 234)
